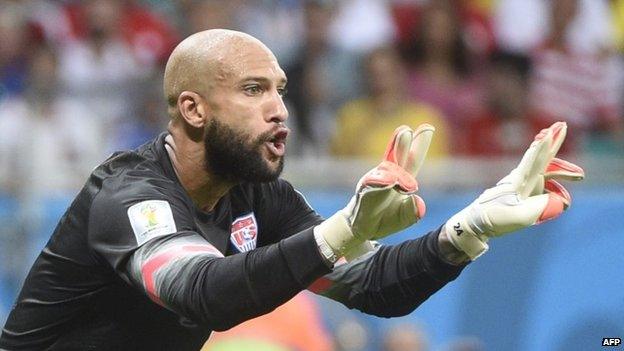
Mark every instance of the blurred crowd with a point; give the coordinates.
(80, 79)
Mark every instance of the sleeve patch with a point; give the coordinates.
(150, 219)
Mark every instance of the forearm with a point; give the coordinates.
(221, 292)
(392, 281)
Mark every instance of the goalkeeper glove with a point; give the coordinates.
(385, 201)
(529, 195)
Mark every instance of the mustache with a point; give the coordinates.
(269, 135)
(264, 137)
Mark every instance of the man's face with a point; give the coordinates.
(245, 137)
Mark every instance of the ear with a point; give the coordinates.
(192, 110)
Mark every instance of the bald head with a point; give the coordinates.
(204, 58)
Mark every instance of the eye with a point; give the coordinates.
(282, 91)
(254, 89)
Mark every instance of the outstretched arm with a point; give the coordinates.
(390, 281)
(530, 194)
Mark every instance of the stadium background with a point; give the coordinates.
(80, 79)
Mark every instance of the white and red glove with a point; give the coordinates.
(385, 201)
(529, 195)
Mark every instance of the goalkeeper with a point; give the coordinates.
(195, 231)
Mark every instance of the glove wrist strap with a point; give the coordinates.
(337, 233)
(464, 239)
(326, 251)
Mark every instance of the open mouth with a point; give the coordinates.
(277, 143)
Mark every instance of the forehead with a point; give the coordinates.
(250, 60)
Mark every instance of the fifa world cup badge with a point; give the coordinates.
(150, 219)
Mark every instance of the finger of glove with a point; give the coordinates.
(418, 150)
(537, 188)
(389, 174)
(562, 169)
(373, 205)
(418, 205)
(402, 213)
(526, 169)
(553, 186)
(399, 145)
(537, 157)
(559, 131)
(411, 210)
(540, 208)
(533, 210)
(552, 137)
(553, 208)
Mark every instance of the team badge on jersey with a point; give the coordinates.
(150, 219)
(244, 233)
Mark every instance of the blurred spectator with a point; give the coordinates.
(49, 143)
(349, 32)
(405, 337)
(590, 30)
(364, 125)
(51, 19)
(322, 78)
(474, 15)
(294, 326)
(150, 116)
(581, 87)
(519, 25)
(503, 127)
(201, 15)
(351, 335)
(441, 71)
(149, 36)
(277, 23)
(100, 70)
(13, 54)
(522, 25)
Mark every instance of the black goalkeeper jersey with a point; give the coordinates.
(78, 295)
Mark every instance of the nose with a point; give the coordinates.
(276, 109)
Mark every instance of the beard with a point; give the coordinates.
(234, 156)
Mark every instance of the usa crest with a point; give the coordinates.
(244, 233)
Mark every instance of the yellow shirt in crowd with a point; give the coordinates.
(363, 132)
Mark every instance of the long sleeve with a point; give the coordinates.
(392, 280)
(185, 274)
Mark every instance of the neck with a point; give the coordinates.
(188, 159)
(387, 102)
